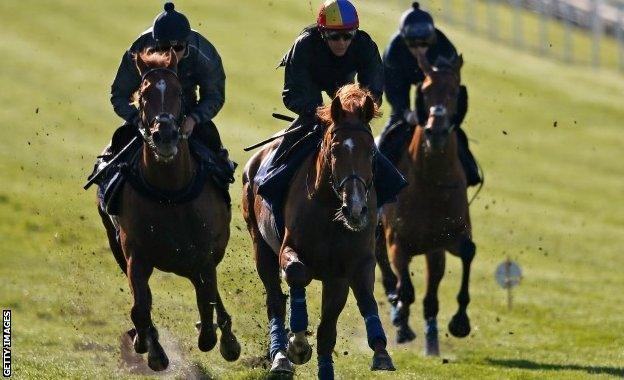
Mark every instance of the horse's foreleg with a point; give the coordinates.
(388, 278)
(228, 345)
(363, 283)
(267, 265)
(459, 325)
(335, 294)
(146, 338)
(205, 283)
(405, 294)
(435, 272)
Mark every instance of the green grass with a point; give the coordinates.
(553, 201)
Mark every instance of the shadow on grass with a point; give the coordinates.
(527, 364)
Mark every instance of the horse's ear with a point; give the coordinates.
(140, 63)
(336, 110)
(423, 63)
(368, 110)
(459, 62)
(173, 60)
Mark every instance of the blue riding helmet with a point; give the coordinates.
(417, 25)
(170, 25)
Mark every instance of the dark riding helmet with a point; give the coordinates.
(417, 25)
(170, 25)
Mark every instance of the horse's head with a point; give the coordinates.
(437, 99)
(160, 102)
(349, 150)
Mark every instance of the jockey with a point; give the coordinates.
(401, 71)
(325, 57)
(199, 65)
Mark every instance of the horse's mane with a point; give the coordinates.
(352, 97)
(154, 58)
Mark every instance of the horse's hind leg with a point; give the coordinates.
(405, 294)
(335, 294)
(146, 339)
(228, 346)
(205, 283)
(435, 272)
(267, 265)
(459, 325)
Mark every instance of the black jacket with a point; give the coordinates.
(311, 68)
(401, 70)
(201, 66)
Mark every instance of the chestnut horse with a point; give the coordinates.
(189, 238)
(330, 218)
(431, 215)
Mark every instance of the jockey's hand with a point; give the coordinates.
(188, 125)
(410, 117)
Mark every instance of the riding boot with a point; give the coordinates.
(208, 134)
(467, 159)
(392, 139)
(122, 137)
(306, 122)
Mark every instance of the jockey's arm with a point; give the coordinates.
(211, 81)
(301, 94)
(124, 86)
(397, 85)
(371, 74)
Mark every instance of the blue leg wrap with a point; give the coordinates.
(278, 336)
(374, 330)
(325, 367)
(298, 310)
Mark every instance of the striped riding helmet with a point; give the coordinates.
(337, 15)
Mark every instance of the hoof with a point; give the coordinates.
(140, 346)
(459, 326)
(432, 344)
(229, 347)
(382, 361)
(282, 366)
(207, 339)
(405, 334)
(298, 351)
(156, 358)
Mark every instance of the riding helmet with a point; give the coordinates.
(417, 24)
(337, 15)
(170, 25)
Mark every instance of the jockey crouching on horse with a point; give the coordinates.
(418, 34)
(325, 57)
(199, 65)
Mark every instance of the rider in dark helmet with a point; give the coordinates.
(199, 65)
(325, 57)
(401, 71)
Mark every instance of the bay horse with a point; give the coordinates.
(330, 218)
(188, 238)
(431, 215)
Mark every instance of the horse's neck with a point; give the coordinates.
(433, 167)
(169, 176)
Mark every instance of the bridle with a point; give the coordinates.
(162, 117)
(335, 185)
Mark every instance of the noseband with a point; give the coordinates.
(353, 176)
(162, 117)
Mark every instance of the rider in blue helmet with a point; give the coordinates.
(199, 66)
(418, 33)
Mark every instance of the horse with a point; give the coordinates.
(187, 238)
(431, 215)
(329, 235)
